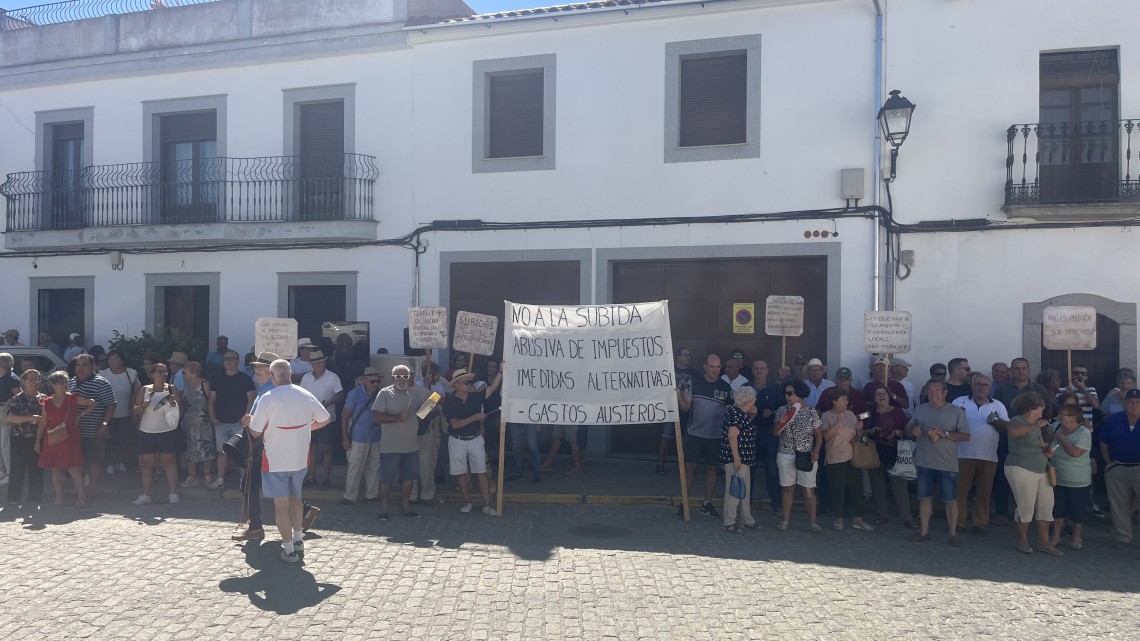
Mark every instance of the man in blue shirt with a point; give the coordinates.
(1120, 446)
(362, 439)
(769, 398)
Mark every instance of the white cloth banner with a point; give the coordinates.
(588, 364)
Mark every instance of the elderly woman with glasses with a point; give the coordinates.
(23, 417)
(738, 455)
(156, 408)
(798, 427)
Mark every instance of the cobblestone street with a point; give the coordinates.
(540, 572)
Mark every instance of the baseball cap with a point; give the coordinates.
(1131, 394)
(843, 374)
(882, 360)
(73, 335)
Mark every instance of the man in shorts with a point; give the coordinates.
(467, 451)
(395, 410)
(706, 399)
(284, 418)
(937, 428)
(326, 386)
(231, 397)
(569, 433)
(94, 426)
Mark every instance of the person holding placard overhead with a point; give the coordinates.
(463, 409)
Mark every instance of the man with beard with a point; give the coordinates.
(395, 409)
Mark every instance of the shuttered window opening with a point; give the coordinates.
(67, 131)
(190, 127)
(312, 305)
(514, 124)
(713, 106)
(1072, 69)
(322, 128)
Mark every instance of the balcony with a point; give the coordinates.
(184, 202)
(1066, 170)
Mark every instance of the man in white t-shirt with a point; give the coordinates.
(326, 386)
(124, 382)
(978, 457)
(285, 417)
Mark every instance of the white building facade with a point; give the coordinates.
(206, 165)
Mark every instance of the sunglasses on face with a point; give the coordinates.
(789, 393)
(230, 358)
(940, 373)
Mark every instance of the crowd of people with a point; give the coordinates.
(1005, 446)
(1055, 449)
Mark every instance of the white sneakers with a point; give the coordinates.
(466, 508)
(122, 467)
(489, 511)
(173, 498)
(110, 470)
(217, 484)
(190, 481)
(143, 499)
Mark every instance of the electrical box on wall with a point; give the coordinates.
(851, 184)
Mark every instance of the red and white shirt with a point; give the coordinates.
(285, 414)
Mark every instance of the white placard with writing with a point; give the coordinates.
(1069, 327)
(784, 316)
(886, 332)
(427, 327)
(475, 333)
(588, 364)
(277, 335)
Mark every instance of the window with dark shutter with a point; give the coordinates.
(514, 124)
(201, 125)
(311, 305)
(322, 128)
(713, 107)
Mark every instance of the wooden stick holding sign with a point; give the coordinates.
(681, 466)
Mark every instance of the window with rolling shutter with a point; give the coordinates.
(712, 99)
(514, 124)
(189, 127)
(322, 128)
(311, 305)
(713, 107)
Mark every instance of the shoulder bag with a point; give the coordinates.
(864, 455)
(57, 434)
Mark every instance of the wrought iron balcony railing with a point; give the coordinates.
(1072, 162)
(70, 10)
(210, 190)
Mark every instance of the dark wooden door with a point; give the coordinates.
(1102, 362)
(701, 294)
(61, 312)
(187, 309)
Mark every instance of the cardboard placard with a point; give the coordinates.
(784, 316)
(475, 333)
(1069, 327)
(589, 364)
(277, 335)
(427, 327)
(886, 332)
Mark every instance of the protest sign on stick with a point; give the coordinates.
(784, 317)
(277, 335)
(1069, 327)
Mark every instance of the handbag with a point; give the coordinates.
(737, 488)
(864, 455)
(57, 434)
(904, 463)
(804, 462)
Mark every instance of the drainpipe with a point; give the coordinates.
(876, 172)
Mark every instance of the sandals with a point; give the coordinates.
(1050, 550)
(838, 527)
(862, 525)
(911, 524)
(782, 526)
(1076, 544)
(1025, 549)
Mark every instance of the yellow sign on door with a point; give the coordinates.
(743, 318)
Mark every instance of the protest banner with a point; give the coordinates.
(784, 317)
(475, 334)
(277, 335)
(886, 332)
(1068, 327)
(589, 365)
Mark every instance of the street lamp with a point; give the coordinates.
(894, 118)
